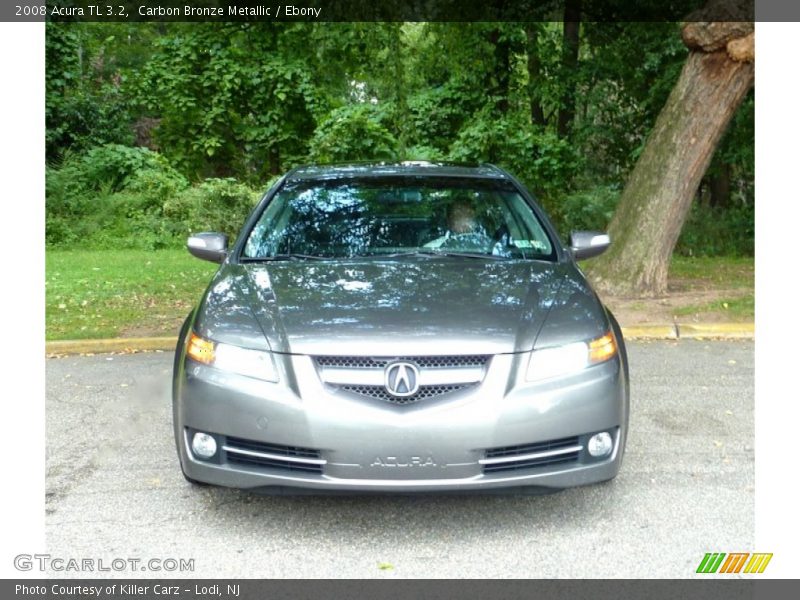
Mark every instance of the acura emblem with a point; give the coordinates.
(401, 379)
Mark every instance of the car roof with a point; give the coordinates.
(389, 169)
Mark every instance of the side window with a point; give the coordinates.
(267, 230)
(526, 231)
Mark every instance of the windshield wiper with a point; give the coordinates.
(448, 253)
(286, 256)
(471, 255)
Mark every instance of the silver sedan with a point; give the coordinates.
(409, 327)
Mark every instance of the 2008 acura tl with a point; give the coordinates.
(402, 327)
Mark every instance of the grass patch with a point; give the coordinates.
(100, 294)
(711, 273)
(732, 309)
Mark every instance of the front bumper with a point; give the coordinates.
(435, 445)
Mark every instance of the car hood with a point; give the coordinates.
(392, 307)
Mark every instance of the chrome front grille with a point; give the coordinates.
(439, 375)
(378, 392)
(423, 362)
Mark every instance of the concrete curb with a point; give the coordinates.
(651, 331)
(110, 345)
(677, 331)
(718, 330)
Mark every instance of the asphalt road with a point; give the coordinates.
(114, 489)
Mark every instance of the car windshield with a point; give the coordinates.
(385, 217)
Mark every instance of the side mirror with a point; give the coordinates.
(588, 244)
(208, 246)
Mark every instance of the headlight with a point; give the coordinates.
(252, 363)
(561, 360)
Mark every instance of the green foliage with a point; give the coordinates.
(118, 168)
(425, 153)
(624, 82)
(83, 190)
(436, 114)
(353, 132)
(249, 100)
(213, 205)
(85, 104)
(715, 232)
(542, 160)
(111, 197)
(117, 197)
(586, 210)
(242, 92)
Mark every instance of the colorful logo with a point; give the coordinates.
(735, 562)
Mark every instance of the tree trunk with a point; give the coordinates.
(720, 187)
(657, 198)
(502, 70)
(534, 74)
(274, 160)
(400, 87)
(572, 28)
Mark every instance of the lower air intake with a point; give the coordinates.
(250, 453)
(529, 456)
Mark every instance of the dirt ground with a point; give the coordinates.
(677, 307)
(698, 291)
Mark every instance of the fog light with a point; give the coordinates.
(204, 445)
(600, 444)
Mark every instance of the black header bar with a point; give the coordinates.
(393, 10)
